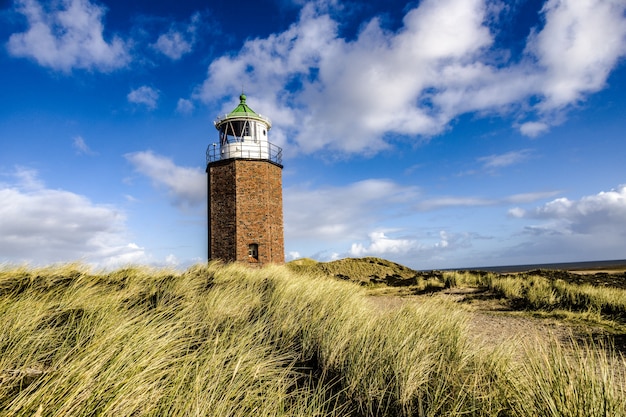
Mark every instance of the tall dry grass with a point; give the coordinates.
(538, 293)
(581, 381)
(224, 340)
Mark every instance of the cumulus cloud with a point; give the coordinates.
(354, 96)
(185, 186)
(533, 129)
(145, 95)
(67, 34)
(39, 225)
(172, 260)
(580, 43)
(184, 106)
(179, 39)
(381, 245)
(602, 213)
(173, 45)
(590, 228)
(293, 255)
(409, 250)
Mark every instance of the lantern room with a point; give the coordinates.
(243, 133)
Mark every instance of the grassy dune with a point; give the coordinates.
(229, 341)
(361, 270)
(601, 294)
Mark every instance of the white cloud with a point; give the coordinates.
(145, 95)
(130, 198)
(185, 186)
(381, 245)
(411, 250)
(28, 179)
(114, 256)
(365, 218)
(517, 212)
(533, 129)
(473, 201)
(173, 45)
(293, 255)
(172, 260)
(451, 201)
(41, 226)
(336, 213)
(529, 197)
(590, 228)
(492, 164)
(81, 146)
(342, 215)
(580, 44)
(506, 159)
(67, 34)
(184, 106)
(355, 95)
(179, 39)
(600, 214)
(563, 230)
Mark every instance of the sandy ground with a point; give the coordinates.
(492, 322)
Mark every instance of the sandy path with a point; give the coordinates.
(493, 322)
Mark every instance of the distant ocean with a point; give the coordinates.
(571, 266)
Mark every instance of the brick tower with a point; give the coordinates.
(245, 198)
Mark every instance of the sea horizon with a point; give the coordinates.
(572, 266)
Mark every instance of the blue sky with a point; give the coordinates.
(434, 133)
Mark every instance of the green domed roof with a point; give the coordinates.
(242, 111)
(242, 108)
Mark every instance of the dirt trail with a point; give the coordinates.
(493, 322)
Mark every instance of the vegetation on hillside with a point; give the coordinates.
(539, 290)
(226, 340)
(363, 270)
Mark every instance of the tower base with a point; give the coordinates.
(245, 211)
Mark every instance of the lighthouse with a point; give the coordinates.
(245, 198)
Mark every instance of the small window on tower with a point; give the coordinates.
(253, 252)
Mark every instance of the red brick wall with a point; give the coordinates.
(222, 211)
(245, 206)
